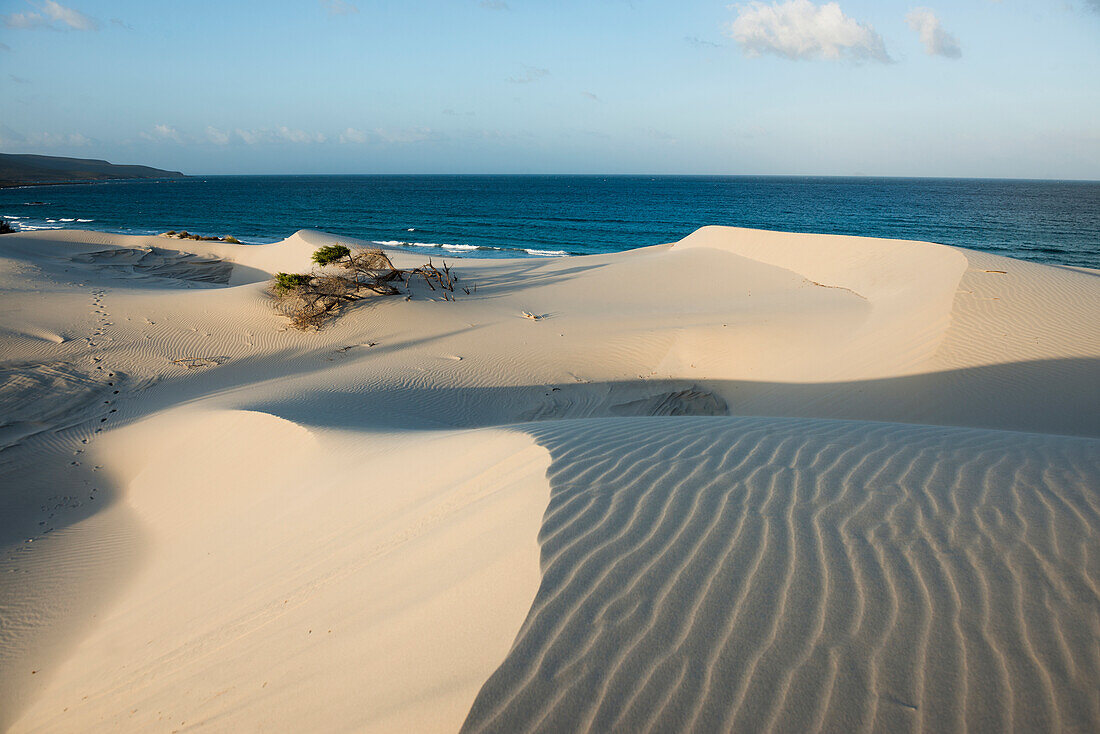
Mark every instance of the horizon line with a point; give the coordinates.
(669, 175)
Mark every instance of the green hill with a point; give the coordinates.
(23, 170)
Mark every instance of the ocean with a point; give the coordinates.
(1056, 222)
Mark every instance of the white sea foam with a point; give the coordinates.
(85, 220)
(437, 244)
(468, 248)
(68, 219)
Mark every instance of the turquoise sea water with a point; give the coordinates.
(506, 216)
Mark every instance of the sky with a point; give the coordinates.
(969, 88)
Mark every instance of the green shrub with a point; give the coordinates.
(330, 254)
(286, 282)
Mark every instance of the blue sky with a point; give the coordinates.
(936, 88)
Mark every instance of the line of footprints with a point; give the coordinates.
(58, 503)
(97, 308)
(97, 303)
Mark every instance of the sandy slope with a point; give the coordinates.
(752, 479)
(732, 574)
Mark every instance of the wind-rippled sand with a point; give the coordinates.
(751, 481)
(750, 574)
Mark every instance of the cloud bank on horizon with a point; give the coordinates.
(761, 86)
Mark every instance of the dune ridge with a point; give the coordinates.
(755, 480)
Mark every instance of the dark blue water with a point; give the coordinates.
(1046, 221)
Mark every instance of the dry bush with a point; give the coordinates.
(373, 270)
(309, 300)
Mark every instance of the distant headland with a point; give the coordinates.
(38, 170)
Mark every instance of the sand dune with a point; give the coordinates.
(369, 596)
(752, 480)
(763, 574)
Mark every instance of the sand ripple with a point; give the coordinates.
(746, 574)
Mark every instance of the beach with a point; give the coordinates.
(750, 481)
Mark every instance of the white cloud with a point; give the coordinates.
(531, 74)
(406, 135)
(701, 42)
(281, 134)
(253, 137)
(163, 132)
(216, 136)
(51, 14)
(24, 20)
(74, 139)
(300, 136)
(798, 29)
(937, 41)
(44, 141)
(339, 7)
(351, 135)
(67, 16)
(9, 137)
(389, 136)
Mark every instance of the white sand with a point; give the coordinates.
(751, 480)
